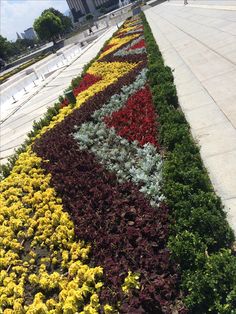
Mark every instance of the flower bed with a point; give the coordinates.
(86, 213)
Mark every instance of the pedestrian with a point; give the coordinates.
(90, 31)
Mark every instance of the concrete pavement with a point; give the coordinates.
(198, 41)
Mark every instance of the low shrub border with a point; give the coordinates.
(200, 238)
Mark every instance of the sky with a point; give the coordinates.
(18, 15)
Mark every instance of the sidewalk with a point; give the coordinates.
(199, 44)
(35, 104)
(204, 4)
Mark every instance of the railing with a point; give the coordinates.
(12, 90)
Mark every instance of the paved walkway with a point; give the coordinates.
(34, 104)
(199, 43)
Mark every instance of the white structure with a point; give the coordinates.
(23, 82)
(120, 4)
(126, 2)
(18, 35)
(80, 8)
(29, 33)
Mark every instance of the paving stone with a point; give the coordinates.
(195, 100)
(205, 116)
(207, 64)
(173, 58)
(223, 173)
(216, 139)
(189, 87)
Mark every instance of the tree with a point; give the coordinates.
(21, 45)
(102, 10)
(66, 21)
(89, 18)
(10, 49)
(48, 26)
(7, 48)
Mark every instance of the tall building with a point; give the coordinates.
(29, 33)
(80, 8)
(18, 36)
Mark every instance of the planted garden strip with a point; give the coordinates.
(115, 217)
(142, 166)
(116, 43)
(137, 120)
(88, 80)
(84, 224)
(117, 100)
(127, 234)
(200, 235)
(41, 263)
(83, 114)
(122, 53)
(136, 49)
(128, 58)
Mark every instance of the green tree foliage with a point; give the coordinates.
(6, 48)
(48, 26)
(66, 21)
(102, 10)
(89, 17)
(10, 49)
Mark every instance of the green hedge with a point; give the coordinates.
(200, 238)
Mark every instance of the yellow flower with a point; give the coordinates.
(131, 282)
(108, 309)
(33, 279)
(32, 221)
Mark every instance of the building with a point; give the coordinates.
(18, 36)
(29, 33)
(80, 8)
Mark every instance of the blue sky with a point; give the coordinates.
(18, 15)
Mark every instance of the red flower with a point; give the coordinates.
(64, 103)
(107, 47)
(88, 80)
(140, 44)
(137, 120)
